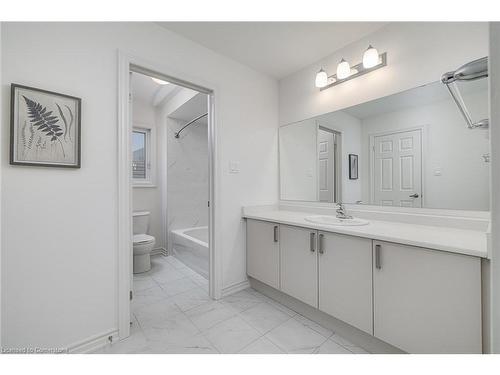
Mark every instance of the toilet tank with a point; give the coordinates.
(140, 222)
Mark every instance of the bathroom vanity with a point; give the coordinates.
(413, 286)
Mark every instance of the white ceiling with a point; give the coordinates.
(145, 89)
(275, 48)
(194, 107)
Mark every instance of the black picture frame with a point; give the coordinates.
(353, 167)
(75, 118)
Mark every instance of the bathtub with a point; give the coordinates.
(190, 246)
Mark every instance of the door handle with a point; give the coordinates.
(378, 264)
(312, 238)
(320, 243)
(415, 195)
(275, 233)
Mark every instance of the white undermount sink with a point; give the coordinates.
(332, 220)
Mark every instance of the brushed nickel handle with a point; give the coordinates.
(378, 264)
(275, 233)
(312, 240)
(320, 243)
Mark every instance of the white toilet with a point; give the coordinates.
(143, 242)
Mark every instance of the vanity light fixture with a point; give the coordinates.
(370, 57)
(372, 60)
(343, 69)
(321, 78)
(159, 81)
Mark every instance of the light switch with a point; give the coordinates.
(234, 167)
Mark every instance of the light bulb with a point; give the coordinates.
(159, 81)
(370, 57)
(321, 79)
(343, 69)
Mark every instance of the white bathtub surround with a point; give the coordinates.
(187, 175)
(421, 228)
(179, 317)
(190, 246)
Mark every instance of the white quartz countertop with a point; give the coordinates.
(460, 241)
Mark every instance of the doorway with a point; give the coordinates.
(328, 165)
(396, 164)
(134, 165)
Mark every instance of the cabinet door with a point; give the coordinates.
(263, 252)
(427, 301)
(299, 264)
(345, 279)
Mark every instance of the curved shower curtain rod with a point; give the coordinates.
(189, 123)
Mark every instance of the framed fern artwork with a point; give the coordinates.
(44, 128)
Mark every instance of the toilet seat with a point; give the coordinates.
(140, 239)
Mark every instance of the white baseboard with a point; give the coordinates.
(91, 344)
(159, 251)
(235, 288)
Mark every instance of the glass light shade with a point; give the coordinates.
(370, 57)
(160, 81)
(343, 69)
(321, 79)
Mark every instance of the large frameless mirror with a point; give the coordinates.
(410, 149)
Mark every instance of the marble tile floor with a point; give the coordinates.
(172, 313)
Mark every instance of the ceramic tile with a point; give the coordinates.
(331, 347)
(174, 287)
(167, 275)
(200, 281)
(146, 297)
(143, 283)
(191, 299)
(156, 312)
(232, 335)
(294, 337)
(342, 341)
(170, 330)
(197, 344)
(241, 301)
(264, 317)
(313, 325)
(209, 314)
(188, 272)
(176, 263)
(261, 346)
(357, 350)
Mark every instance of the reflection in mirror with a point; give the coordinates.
(411, 149)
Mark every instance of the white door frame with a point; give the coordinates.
(126, 63)
(371, 152)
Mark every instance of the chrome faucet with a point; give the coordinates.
(341, 213)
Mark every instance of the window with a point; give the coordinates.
(142, 156)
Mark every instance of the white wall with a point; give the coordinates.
(59, 249)
(449, 146)
(298, 161)
(494, 68)
(149, 198)
(418, 53)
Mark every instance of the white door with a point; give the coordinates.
(397, 169)
(426, 301)
(299, 264)
(345, 279)
(326, 165)
(263, 252)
